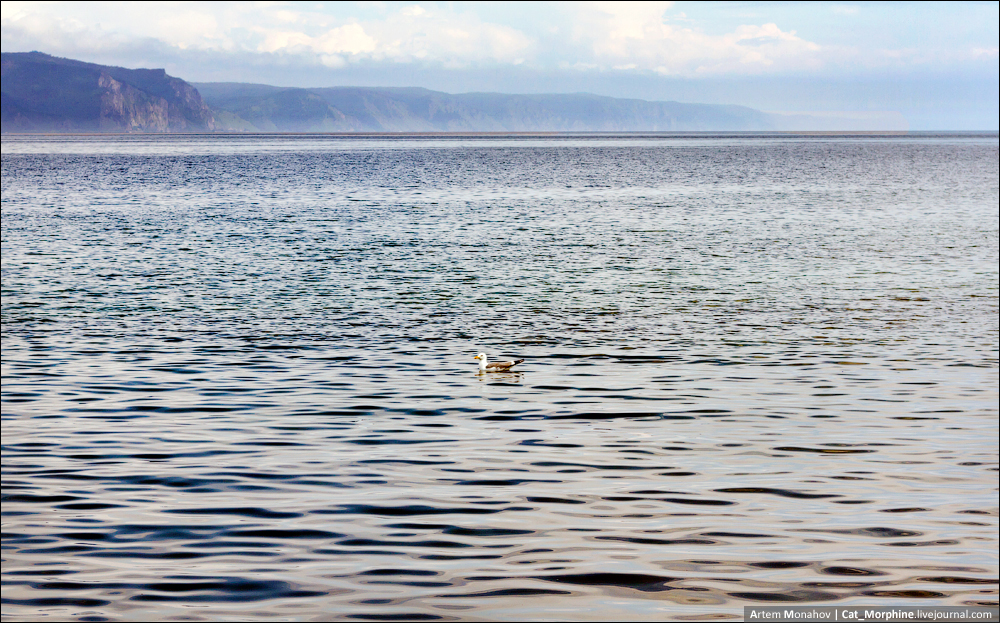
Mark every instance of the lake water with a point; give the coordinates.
(238, 376)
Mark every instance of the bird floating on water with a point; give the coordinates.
(496, 366)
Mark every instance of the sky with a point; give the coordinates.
(935, 63)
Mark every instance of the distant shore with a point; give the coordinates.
(636, 134)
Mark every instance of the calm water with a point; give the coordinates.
(238, 378)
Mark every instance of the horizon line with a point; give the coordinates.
(533, 133)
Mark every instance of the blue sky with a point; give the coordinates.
(936, 63)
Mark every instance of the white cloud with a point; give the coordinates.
(457, 39)
(405, 34)
(280, 40)
(286, 16)
(635, 37)
(640, 35)
(348, 39)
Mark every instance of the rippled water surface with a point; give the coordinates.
(238, 378)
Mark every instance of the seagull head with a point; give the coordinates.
(480, 356)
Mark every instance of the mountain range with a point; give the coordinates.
(43, 93)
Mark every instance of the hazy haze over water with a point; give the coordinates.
(238, 377)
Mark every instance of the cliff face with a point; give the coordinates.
(42, 93)
(124, 107)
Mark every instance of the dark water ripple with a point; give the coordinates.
(238, 384)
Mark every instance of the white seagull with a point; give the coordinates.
(496, 366)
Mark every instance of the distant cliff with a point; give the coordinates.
(257, 107)
(42, 93)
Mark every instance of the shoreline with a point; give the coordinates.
(531, 134)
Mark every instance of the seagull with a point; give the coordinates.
(497, 366)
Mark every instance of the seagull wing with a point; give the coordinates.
(503, 365)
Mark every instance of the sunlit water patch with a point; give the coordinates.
(238, 377)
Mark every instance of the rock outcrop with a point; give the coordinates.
(43, 93)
